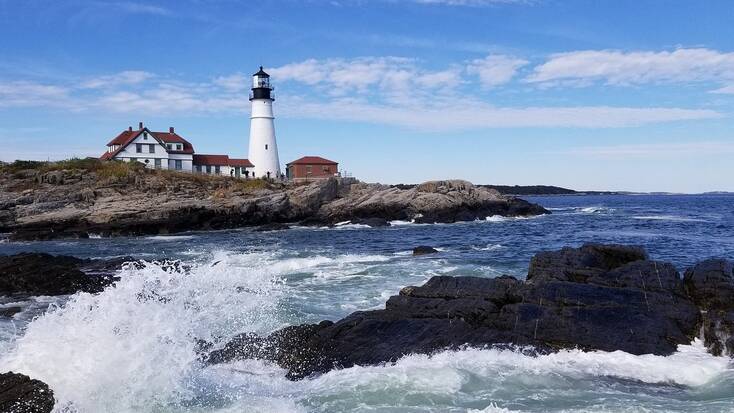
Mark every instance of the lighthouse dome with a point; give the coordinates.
(261, 73)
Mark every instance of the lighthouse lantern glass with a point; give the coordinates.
(260, 81)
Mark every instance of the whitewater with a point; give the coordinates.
(133, 347)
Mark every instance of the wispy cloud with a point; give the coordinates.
(25, 94)
(615, 67)
(495, 70)
(137, 8)
(657, 150)
(127, 77)
(726, 90)
(478, 115)
(386, 90)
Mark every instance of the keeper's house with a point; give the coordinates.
(168, 150)
(311, 167)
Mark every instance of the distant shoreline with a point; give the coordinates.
(549, 190)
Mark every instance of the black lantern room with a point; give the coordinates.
(261, 88)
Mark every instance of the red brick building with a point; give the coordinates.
(311, 167)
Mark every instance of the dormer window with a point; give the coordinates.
(169, 146)
(178, 147)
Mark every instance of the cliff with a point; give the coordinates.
(78, 198)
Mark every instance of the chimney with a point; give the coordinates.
(130, 128)
(170, 130)
(140, 125)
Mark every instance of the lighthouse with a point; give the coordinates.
(263, 148)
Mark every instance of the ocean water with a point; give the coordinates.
(132, 347)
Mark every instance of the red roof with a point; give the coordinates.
(124, 137)
(313, 160)
(240, 162)
(127, 136)
(172, 137)
(123, 140)
(216, 160)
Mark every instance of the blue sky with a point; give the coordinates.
(616, 95)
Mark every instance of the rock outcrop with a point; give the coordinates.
(73, 203)
(597, 297)
(711, 286)
(43, 274)
(424, 250)
(21, 394)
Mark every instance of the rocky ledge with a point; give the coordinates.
(21, 394)
(75, 203)
(597, 297)
(31, 274)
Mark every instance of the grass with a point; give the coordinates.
(118, 169)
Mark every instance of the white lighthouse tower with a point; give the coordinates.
(263, 148)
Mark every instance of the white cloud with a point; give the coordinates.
(137, 8)
(24, 93)
(234, 83)
(386, 90)
(726, 90)
(656, 150)
(633, 68)
(495, 70)
(127, 77)
(345, 75)
(478, 115)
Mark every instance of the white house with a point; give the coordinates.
(223, 165)
(168, 150)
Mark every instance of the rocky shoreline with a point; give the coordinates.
(37, 204)
(597, 297)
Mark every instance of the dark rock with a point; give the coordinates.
(273, 226)
(597, 297)
(424, 250)
(710, 284)
(10, 311)
(44, 274)
(21, 394)
(372, 222)
(579, 264)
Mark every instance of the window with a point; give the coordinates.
(158, 163)
(198, 168)
(139, 147)
(325, 168)
(308, 169)
(216, 170)
(151, 148)
(266, 146)
(178, 165)
(208, 169)
(169, 146)
(178, 147)
(145, 135)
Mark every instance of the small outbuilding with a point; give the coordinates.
(311, 167)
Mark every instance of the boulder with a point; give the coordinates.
(273, 226)
(597, 297)
(21, 394)
(45, 274)
(424, 250)
(710, 284)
